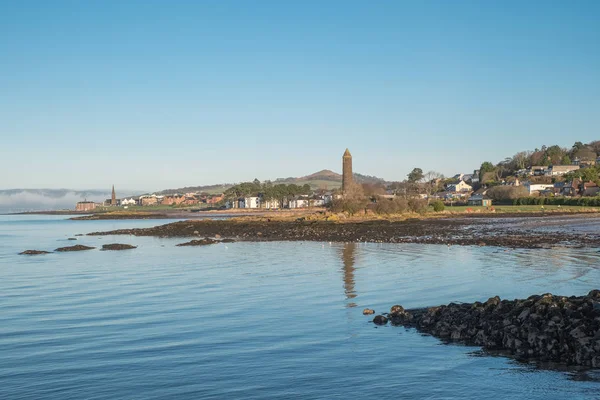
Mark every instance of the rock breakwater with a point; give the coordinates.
(474, 232)
(544, 327)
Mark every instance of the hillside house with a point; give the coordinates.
(538, 170)
(557, 170)
(459, 187)
(537, 188)
(589, 189)
(479, 200)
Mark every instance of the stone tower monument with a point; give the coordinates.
(113, 199)
(346, 170)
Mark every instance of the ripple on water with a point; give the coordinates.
(262, 320)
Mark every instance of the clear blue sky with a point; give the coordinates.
(160, 94)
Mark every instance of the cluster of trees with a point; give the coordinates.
(544, 156)
(590, 174)
(267, 190)
(359, 198)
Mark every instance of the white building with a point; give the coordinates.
(249, 202)
(129, 202)
(299, 202)
(555, 170)
(532, 188)
(460, 186)
(271, 203)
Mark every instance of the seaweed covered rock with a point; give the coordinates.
(380, 320)
(199, 242)
(78, 247)
(117, 246)
(34, 252)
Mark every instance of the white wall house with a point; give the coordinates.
(555, 170)
(298, 202)
(461, 186)
(271, 204)
(532, 188)
(129, 202)
(250, 202)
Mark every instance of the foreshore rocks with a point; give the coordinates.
(34, 252)
(78, 247)
(117, 246)
(453, 231)
(544, 327)
(204, 242)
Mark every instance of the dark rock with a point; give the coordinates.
(117, 246)
(227, 241)
(72, 239)
(199, 242)
(544, 328)
(77, 247)
(380, 320)
(34, 252)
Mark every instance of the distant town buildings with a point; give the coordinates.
(85, 206)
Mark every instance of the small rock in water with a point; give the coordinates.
(200, 242)
(77, 247)
(72, 239)
(380, 320)
(117, 246)
(368, 311)
(34, 252)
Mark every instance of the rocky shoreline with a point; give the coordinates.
(547, 328)
(451, 231)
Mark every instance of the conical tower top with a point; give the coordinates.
(347, 153)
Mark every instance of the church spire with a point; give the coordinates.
(113, 199)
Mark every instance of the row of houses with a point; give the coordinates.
(551, 170)
(187, 199)
(574, 188)
(300, 201)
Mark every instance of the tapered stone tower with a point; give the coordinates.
(346, 170)
(113, 199)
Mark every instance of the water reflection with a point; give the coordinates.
(348, 260)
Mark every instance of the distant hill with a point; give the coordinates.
(330, 176)
(318, 180)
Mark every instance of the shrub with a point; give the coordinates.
(418, 205)
(438, 206)
(390, 206)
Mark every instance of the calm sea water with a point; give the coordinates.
(259, 320)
